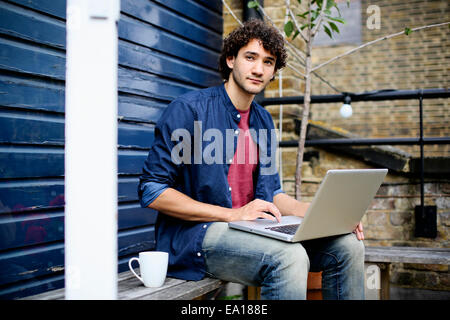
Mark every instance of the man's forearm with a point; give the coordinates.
(179, 205)
(289, 206)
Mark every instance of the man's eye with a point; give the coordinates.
(269, 62)
(250, 58)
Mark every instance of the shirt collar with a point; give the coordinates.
(229, 105)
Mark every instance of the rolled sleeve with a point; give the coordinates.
(278, 191)
(151, 191)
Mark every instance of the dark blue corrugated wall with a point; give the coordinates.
(166, 48)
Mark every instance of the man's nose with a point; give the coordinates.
(258, 68)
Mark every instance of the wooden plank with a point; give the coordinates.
(408, 255)
(140, 109)
(45, 96)
(144, 59)
(134, 135)
(215, 5)
(131, 162)
(31, 128)
(52, 7)
(31, 94)
(22, 162)
(187, 290)
(197, 12)
(133, 289)
(48, 193)
(27, 263)
(35, 162)
(30, 25)
(21, 195)
(31, 229)
(44, 129)
(32, 60)
(163, 18)
(136, 240)
(130, 288)
(145, 34)
(147, 85)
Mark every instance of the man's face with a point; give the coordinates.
(252, 68)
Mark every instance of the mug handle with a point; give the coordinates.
(131, 268)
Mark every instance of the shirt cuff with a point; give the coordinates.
(151, 191)
(277, 192)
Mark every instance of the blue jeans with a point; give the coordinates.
(281, 268)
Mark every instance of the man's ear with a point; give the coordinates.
(230, 62)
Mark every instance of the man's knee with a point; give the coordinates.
(287, 276)
(351, 247)
(292, 256)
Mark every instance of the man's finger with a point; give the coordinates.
(269, 215)
(272, 209)
(359, 235)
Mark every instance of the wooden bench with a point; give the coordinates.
(384, 256)
(130, 288)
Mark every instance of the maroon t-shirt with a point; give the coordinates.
(245, 161)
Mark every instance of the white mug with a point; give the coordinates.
(153, 267)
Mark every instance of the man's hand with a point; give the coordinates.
(257, 209)
(359, 231)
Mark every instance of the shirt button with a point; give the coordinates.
(236, 131)
(230, 160)
(204, 226)
(229, 188)
(238, 115)
(199, 254)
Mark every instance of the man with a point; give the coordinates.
(212, 162)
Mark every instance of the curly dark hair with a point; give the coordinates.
(271, 39)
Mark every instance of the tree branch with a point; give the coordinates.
(232, 13)
(296, 25)
(319, 19)
(290, 66)
(375, 41)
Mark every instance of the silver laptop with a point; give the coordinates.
(338, 206)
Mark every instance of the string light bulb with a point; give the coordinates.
(346, 110)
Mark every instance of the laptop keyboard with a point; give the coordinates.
(288, 229)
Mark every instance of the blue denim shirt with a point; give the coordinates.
(207, 122)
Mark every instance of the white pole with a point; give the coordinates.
(91, 150)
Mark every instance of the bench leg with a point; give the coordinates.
(384, 267)
(314, 288)
(253, 293)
